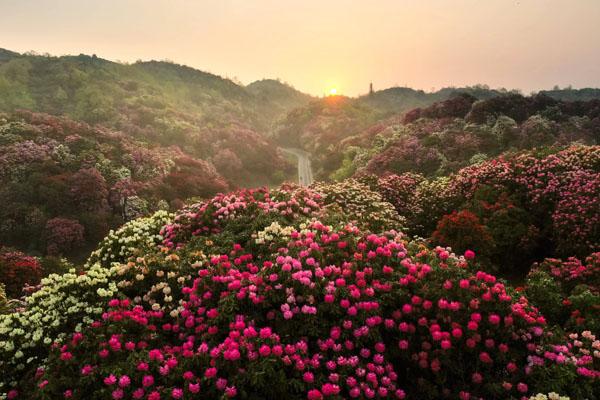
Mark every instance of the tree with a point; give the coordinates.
(228, 164)
(17, 270)
(88, 190)
(63, 235)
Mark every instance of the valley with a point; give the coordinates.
(170, 233)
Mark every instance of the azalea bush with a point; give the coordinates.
(356, 202)
(241, 212)
(331, 313)
(63, 304)
(65, 184)
(528, 206)
(288, 293)
(569, 365)
(401, 191)
(463, 230)
(132, 239)
(567, 292)
(18, 270)
(576, 218)
(63, 235)
(550, 396)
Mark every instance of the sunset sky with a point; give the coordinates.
(320, 45)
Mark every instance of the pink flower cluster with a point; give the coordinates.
(333, 313)
(573, 271)
(211, 216)
(581, 350)
(566, 185)
(400, 190)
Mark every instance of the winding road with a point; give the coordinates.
(305, 175)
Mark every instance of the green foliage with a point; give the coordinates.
(546, 294)
(7, 305)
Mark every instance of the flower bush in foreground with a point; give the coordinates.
(331, 314)
(249, 295)
(570, 366)
(65, 303)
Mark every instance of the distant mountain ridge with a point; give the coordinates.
(96, 90)
(208, 116)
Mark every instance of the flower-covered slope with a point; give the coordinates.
(65, 183)
(462, 131)
(285, 294)
(512, 210)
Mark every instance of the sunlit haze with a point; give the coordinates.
(319, 45)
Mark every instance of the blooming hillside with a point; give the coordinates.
(462, 131)
(511, 210)
(300, 293)
(63, 184)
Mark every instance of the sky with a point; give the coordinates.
(317, 46)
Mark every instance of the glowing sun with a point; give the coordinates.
(332, 91)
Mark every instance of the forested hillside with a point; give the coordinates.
(158, 99)
(458, 132)
(65, 183)
(455, 234)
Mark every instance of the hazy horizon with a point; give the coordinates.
(528, 45)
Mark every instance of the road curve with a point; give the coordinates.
(305, 175)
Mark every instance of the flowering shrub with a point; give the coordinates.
(576, 218)
(401, 192)
(15, 156)
(63, 235)
(573, 272)
(456, 106)
(7, 304)
(407, 154)
(88, 190)
(463, 230)
(550, 396)
(356, 203)
(17, 270)
(567, 292)
(241, 208)
(63, 304)
(331, 313)
(543, 177)
(569, 366)
(251, 295)
(434, 198)
(131, 240)
(533, 205)
(512, 229)
(545, 292)
(53, 167)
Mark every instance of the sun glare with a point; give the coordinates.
(332, 91)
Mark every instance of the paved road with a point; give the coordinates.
(305, 175)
